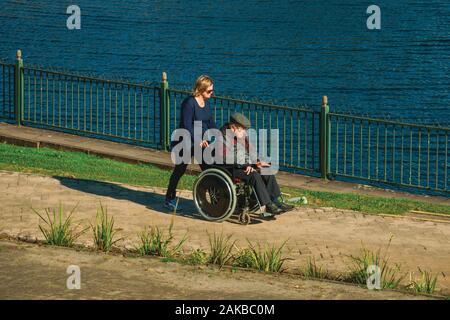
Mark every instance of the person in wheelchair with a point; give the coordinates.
(265, 186)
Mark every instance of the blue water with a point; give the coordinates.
(288, 51)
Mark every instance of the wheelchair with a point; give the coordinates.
(218, 195)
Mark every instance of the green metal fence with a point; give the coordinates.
(104, 108)
(315, 142)
(298, 127)
(7, 91)
(389, 152)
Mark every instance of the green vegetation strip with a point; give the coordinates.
(83, 166)
(59, 230)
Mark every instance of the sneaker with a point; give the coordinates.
(273, 208)
(172, 205)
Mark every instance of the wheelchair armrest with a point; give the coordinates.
(228, 168)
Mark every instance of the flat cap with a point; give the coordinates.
(240, 119)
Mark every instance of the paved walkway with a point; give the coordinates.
(44, 138)
(329, 235)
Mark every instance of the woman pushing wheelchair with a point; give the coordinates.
(194, 108)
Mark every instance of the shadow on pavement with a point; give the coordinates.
(151, 200)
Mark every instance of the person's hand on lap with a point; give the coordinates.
(249, 170)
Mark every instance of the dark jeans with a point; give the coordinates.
(266, 186)
(177, 173)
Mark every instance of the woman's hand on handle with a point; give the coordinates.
(260, 164)
(204, 144)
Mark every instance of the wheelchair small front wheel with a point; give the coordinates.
(244, 218)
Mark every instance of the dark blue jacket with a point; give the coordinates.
(191, 111)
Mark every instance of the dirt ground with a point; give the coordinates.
(29, 271)
(328, 235)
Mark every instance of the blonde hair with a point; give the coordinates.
(201, 85)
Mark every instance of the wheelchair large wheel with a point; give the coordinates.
(215, 195)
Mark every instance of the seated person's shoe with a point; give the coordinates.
(284, 206)
(267, 216)
(273, 208)
(172, 205)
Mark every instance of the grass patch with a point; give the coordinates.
(196, 257)
(314, 271)
(268, 258)
(83, 166)
(80, 165)
(365, 203)
(57, 228)
(156, 242)
(103, 230)
(391, 276)
(244, 259)
(425, 284)
(220, 249)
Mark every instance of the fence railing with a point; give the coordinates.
(320, 143)
(100, 107)
(7, 91)
(389, 151)
(298, 127)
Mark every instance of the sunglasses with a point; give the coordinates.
(239, 128)
(209, 91)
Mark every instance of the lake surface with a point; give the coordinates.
(292, 52)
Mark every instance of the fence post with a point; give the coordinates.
(325, 137)
(18, 89)
(164, 111)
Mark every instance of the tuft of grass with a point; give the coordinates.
(103, 230)
(425, 284)
(267, 259)
(220, 249)
(58, 229)
(196, 257)
(156, 242)
(244, 259)
(312, 270)
(391, 276)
